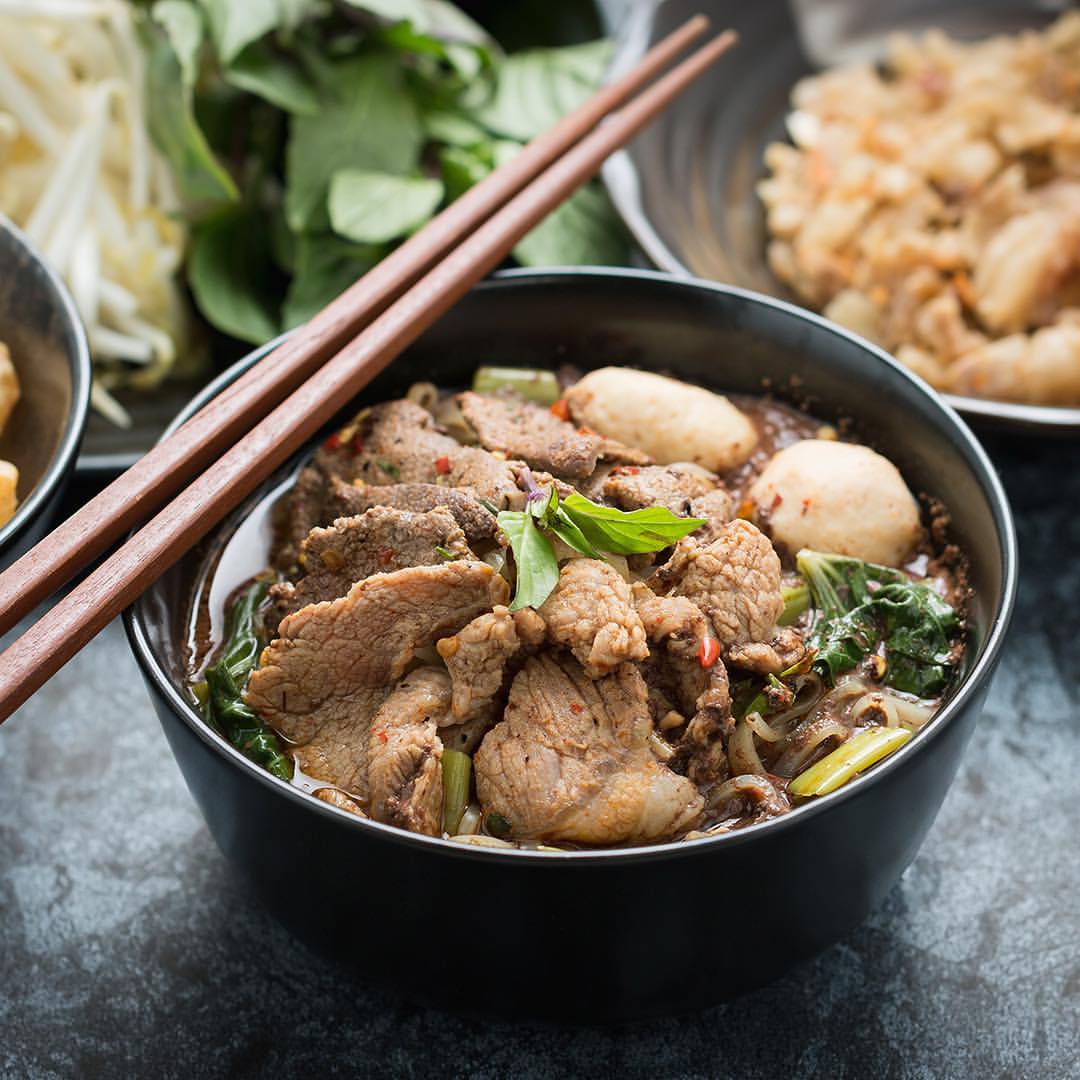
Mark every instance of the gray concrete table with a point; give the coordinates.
(128, 948)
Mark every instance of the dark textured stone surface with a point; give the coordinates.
(127, 948)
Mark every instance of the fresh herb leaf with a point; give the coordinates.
(183, 24)
(324, 266)
(367, 120)
(562, 525)
(231, 272)
(171, 113)
(261, 71)
(630, 532)
(535, 88)
(371, 207)
(583, 229)
(389, 468)
(236, 25)
(534, 559)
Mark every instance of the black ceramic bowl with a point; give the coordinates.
(40, 326)
(619, 933)
(686, 185)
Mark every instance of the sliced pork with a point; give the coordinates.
(323, 679)
(592, 613)
(522, 429)
(377, 541)
(572, 760)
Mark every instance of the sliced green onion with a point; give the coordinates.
(531, 383)
(456, 776)
(847, 760)
(796, 601)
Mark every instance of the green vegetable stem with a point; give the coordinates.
(862, 607)
(223, 704)
(847, 760)
(531, 383)
(457, 776)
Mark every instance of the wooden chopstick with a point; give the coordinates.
(76, 618)
(162, 472)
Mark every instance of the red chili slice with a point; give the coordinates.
(708, 652)
(561, 409)
(333, 442)
(442, 465)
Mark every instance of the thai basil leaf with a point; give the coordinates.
(199, 176)
(183, 24)
(372, 208)
(261, 71)
(232, 274)
(564, 528)
(324, 266)
(534, 559)
(234, 25)
(534, 89)
(582, 230)
(367, 120)
(630, 532)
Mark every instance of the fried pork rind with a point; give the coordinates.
(934, 207)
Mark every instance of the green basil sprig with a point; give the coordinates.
(584, 526)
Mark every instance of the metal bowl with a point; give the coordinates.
(39, 324)
(617, 933)
(685, 186)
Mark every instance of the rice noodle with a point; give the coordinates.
(809, 690)
(872, 709)
(757, 788)
(742, 753)
(910, 714)
(424, 394)
(805, 741)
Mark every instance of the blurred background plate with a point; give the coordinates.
(685, 186)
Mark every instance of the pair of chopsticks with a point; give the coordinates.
(219, 456)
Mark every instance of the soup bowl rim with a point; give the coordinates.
(971, 683)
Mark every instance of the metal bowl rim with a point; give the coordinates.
(81, 371)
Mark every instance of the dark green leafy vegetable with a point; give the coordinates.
(586, 527)
(223, 704)
(457, 775)
(863, 607)
(498, 825)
